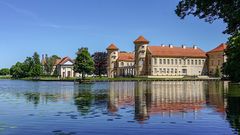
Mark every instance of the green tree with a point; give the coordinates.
(4, 71)
(217, 72)
(26, 67)
(36, 70)
(232, 67)
(210, 10)
(83, 62)
(229, 12)
(100, 63)
(16, 71)
(49, 63)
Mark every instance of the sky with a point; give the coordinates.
(62, 26)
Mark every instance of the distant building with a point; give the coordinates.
(161, 60)
(216, 58)
(63, 67)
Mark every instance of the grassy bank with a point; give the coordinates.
(5, 77)
(104, 79)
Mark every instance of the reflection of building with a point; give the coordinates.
(120, 94)
(215, 95)
(157, 97)
(216, 58)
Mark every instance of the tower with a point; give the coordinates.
(112, 57)
(140, 54)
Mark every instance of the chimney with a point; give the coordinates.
(194, 47)
(170, 46)
(183, 46)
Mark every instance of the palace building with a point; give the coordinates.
(157, 60)
(216, 58)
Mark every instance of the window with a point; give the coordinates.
(143, 47)
(172, 70)
(188, 62)
(180, 61)
(168, 70)
(160, 70)
(176, 61)
(155, 70)
(172, 61)
(160, 61)
(175, 70)
(192, 62)
(164, 61)
(195, 62)
(184, 62)
(155, 61)
(168, 61)
(199, 62)
(122, 63)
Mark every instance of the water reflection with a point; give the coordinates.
(165, 98)
(164, 106)
(233, 107)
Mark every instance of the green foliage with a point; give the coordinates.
(232, 67)
(100, 63)
(210, 10)
(36, 69)
(217, 73)
(83, 62)
(5, 71)
(17, 71)
(31, 67)
(49, 63)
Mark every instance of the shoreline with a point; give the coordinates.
(89, 80)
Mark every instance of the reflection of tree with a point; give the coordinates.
(85, 98)
(233, 108)
(33, 97)
(215, 95)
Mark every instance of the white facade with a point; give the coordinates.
(165, 66)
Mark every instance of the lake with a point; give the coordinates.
(119, 108)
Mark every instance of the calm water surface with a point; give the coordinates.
(119, 108)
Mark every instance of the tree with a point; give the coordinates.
(16, 71)
(232, 67)
(83, 62)
(4, 71)
(36, 70)
(27, 66)
(229, 11)
(100, 63)
(49, 63)
(217, 72)
(211, 10)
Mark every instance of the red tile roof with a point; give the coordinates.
(124, 56)
(165, 51)
(219, 48)
(64, 60)
(141, 39)
(112, 47)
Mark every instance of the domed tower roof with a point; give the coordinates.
(112, 47)
(141, 40)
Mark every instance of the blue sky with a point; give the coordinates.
(62, 26)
